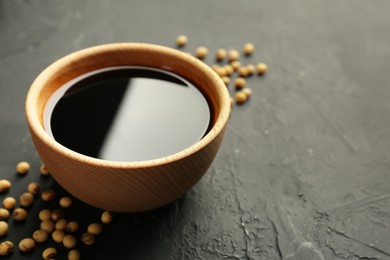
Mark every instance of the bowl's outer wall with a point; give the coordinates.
(128, 190)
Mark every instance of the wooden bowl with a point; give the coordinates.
(127, 186)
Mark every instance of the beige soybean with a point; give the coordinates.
(6, 247)
(9, 203)
(47, 225)
(58, 236)
(248, 49)
(243, 71)
(72, 227)
(239, 83)
(181, 40)
(214, 66)
(251, 69)
(69, 241)
(106, 217)
(61, 224)
(241, 97)
(5, 185)
(201, 52)
(57, 215)
(226, 80)
(40, 236)
(49, 253)
(233, 55)
(44, 171)
(235, 65)
(22, 168)
(261, 68)
(221, 71)
(33, 188)
(27, 245)
(66, 202)
(74, 255)
(19, 214)
(248, 92)
(4, 214)
(48, 195)
(3, 228)
(94, 229)
(229, 69)
(231, 101)
(44, 214)
(26, 199)
(88, 238)
(220, 54)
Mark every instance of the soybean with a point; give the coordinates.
(27, 245)
(239, 83)
(3, 228)
(48, 195)
(248, 49)
(221, 71)
(243, 71)
(94, 229)
(251, 69)
(235, 65)
(5, 185)
(40, 236)
(74, 255)
(226, 80)
(261, 68)
(248, 92)
(61, 224)
(49, 253)
(69, 241)
(241, 97)
(4, 214)
(57, 215)
(19, 214)
(6, 248)
(44, 170)
(233, 55)
(9, 203)
(45, 214)
(58, 236)
(229, 69)
(72, 227)
(88, 238)
(22, 168)
(26, 199)
(201, 52)
(66, 202)
(106, 217)
(47, 225)
(220, 54)
(181, 40)
(214, 67)
(33, 188)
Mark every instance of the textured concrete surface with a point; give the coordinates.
(304, 171)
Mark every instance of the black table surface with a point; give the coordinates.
(304, 170)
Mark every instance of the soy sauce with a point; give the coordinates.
(127, 114)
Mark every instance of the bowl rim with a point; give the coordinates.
(36, 88)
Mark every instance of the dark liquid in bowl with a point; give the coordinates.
(127, 114)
